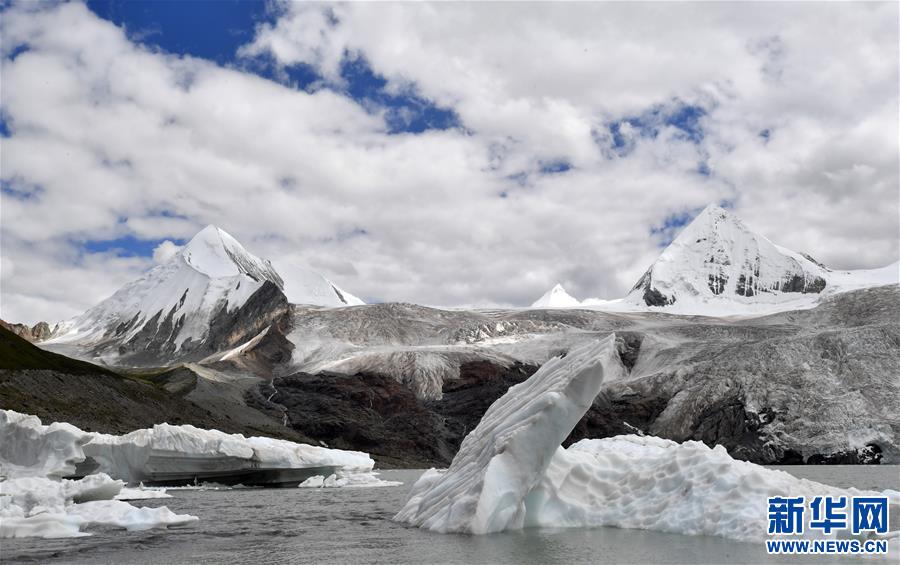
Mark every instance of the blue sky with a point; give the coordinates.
(227, 25)
(445, 154)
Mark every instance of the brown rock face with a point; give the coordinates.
(38, 332)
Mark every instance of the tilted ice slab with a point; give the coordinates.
(507, 454)
(511, 472)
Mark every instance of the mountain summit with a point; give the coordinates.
(716, 255)
(215, 253)
(556, 297)
(211, 294)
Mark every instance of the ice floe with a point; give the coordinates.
(48, 508)
(358, 479)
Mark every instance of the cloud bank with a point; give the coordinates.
(585, 131)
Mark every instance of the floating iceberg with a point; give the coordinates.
(171, 455)
(507, 454)
(174, 455)
(30, 449)
(43, 507)
(35, 501)
(651, 483)
(511, 472)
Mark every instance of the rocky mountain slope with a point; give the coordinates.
(40, 331)
(816, 385)
(57, 388)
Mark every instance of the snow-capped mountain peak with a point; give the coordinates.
(716, 255)
(215, 253)
(208, 295)
(556, 297)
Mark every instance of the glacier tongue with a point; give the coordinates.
(506, 455)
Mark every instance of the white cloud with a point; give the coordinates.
(165, 251)
(122, 140)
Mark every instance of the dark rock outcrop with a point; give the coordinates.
(377, 414)
(155, 343)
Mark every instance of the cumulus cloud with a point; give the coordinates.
(165, 251)
(110, 139)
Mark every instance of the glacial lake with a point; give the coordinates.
(354, 525)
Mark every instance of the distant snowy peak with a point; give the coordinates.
(190, 303)
(215, 253)
(210, 296)
(556, 297)
(305, 286)
(718, 256)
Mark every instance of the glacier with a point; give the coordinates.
(512, 473)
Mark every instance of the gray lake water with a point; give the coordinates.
(354, 526)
